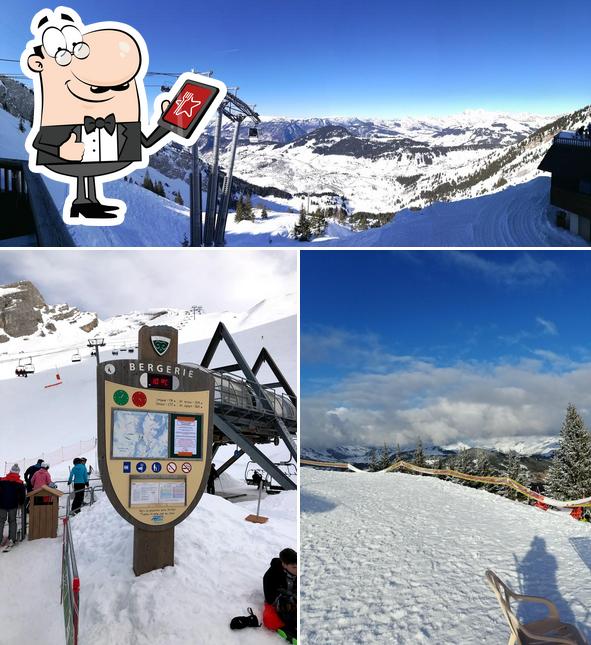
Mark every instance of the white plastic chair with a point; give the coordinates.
(539, 632)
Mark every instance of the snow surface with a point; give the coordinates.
(399, 558)
(220, 558)
(516, 216)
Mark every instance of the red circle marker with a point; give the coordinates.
(171, 467)
(139, 399)
(186, 468)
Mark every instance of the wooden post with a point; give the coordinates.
(154, 549)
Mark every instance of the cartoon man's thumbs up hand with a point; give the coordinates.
(71, 150)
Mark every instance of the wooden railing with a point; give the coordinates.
(27, 210)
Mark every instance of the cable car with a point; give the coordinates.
(76, 358)
(253, 135)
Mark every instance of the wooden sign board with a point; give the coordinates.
(155, 432)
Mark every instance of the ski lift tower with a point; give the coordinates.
(216, 214)
(94, 344)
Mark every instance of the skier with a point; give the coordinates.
(12, 495)
(213, 474)
(79, 475)
(280, 588)
(31, 470)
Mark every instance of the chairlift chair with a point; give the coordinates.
(253, 135)
(115, 352)
(26, 365)
(130, 350)
(76, 358)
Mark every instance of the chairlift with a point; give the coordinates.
(76, 358)
(289, 468)
(25, 367)
(251, 468)
(93, 352)
(253, 135)
(130, 350)
(115, 352)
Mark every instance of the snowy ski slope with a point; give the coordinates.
(400, 558)
(219, 558)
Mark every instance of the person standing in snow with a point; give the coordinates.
(31, 470)
(12, 495)
(213, 474)
(84, 460)
(78, 475)
(281, 592)
(41, 477)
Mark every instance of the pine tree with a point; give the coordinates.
(373, 460)
(569, 476)
(21, 125)
(248, 213)
(384, 460)
(239, 211)
(302, 230)
(159, 189)
(264, 214)
(148, 183)
(178, 198)
(420, 455)
(513, 471)
(398, 454)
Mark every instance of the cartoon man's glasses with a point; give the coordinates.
(64, 43)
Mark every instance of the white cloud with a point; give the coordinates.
(525, 269)
(444, 404)
(115, 281)
(548, 326)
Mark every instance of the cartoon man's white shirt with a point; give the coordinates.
(99, 145)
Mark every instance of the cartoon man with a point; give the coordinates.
(91, 109)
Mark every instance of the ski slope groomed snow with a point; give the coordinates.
(397, 558)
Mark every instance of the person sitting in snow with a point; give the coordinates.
(280, 588)
(12, 495)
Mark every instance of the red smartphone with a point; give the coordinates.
(188, 107)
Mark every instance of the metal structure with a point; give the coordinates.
(248, 412)
(212, 231)
(95, 344)
(70, 586)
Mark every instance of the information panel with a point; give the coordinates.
(154, 442)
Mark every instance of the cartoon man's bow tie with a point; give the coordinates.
(108, 123)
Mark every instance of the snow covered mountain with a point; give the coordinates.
(527, 446)
(390, 175)
(52, 335)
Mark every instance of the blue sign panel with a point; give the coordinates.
(140, 467)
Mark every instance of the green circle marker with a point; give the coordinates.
(121, 397)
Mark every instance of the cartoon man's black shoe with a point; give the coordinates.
(93, 211)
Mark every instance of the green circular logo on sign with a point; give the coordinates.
(121, 397)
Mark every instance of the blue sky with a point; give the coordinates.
(454, 346)
(377, 58)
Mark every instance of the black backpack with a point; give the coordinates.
(240, 622)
